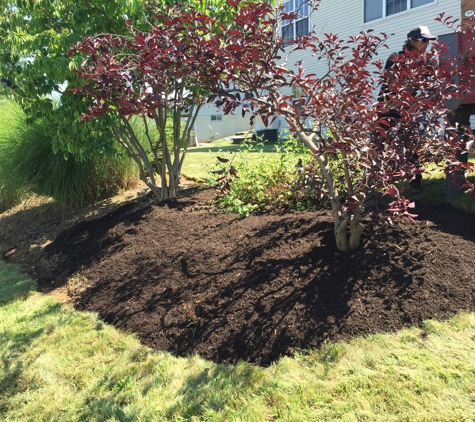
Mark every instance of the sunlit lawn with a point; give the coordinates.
(434, 191)
(201, 160)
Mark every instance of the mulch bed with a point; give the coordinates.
(188, 279)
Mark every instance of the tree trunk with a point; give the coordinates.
(156, 191)
(347, 238)
(165, 194)
(341, 236)
(356, 230)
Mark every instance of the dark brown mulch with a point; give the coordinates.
(187, 279)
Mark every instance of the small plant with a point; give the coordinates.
(191, 310)
(190, 314)
(76, 285)
(274, 180)
(224, 179)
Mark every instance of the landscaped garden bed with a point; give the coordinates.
(251, 289)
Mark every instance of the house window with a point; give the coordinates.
(217, 118)
(298, 27)
(297, 93)
(395, 6)
(377, 9)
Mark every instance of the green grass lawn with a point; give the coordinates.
(58, 364)
(199, 161)
(434, 192)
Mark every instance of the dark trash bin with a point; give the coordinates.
(270, 135)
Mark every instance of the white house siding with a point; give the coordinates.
(207, 130)
(345, 18)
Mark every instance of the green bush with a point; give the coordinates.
(29, 166)
(284, 178)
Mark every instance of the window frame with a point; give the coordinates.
(384, 11)
(297, 93)
(216, 117)
(295, 6)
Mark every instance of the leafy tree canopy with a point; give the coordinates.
(34, 39)
(375, 143)
(35, 36)
(162, 74)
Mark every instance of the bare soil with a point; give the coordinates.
(188, 279)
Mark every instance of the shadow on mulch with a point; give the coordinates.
(189, 280)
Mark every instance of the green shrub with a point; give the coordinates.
(29, 166)
(284, 178)
(14, 184)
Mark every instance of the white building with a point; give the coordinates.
(212, 124)
(344, 18)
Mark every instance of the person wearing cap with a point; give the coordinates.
(417, 41)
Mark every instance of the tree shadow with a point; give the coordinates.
(448, 219)
(207, 390)
(104, 409)
(259, 304)
(15, 290)
(14, 346)
(285, 304)
(91, 241)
